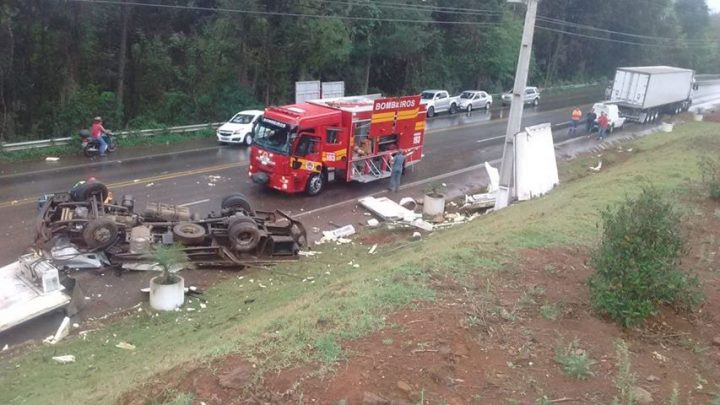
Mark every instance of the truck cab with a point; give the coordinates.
(437, 101)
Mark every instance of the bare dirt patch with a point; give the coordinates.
(494, 339)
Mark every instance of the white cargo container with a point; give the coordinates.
(643, 93)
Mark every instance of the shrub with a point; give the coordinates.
(636, 264)
(574, 361)
(710, 172)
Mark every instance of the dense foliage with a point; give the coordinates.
(636, 264)
(62, 62)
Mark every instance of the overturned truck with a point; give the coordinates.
(88, 218)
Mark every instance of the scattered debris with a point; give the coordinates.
(150, 184)
(372, 249)
(387, 209)
(5, 347)
(125, 346)
(596, 168)
(52, 159)
(62, 331)
(65, 359)
(308, 253)
(660, 357)
(416, 236)
(373, 222)
(409, 203)
(338, 233)
(315, 229)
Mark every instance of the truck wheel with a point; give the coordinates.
(86, 191)
(248, 139)
(431, 112)
(189, 233)
(237, 201)
(100, 233)
(243, 234)
(315, 184)
(453, 108)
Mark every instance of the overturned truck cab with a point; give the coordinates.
(88, 218)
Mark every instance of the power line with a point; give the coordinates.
(577, 34)
(419, 7)
(278, 13)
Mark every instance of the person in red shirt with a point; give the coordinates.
(98, 132)
(602, 126)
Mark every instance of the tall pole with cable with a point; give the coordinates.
(504, 193)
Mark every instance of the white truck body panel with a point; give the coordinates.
(651, 86)
(22, 300)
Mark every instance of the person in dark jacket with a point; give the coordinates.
(590, 121)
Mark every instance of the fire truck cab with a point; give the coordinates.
(302, 147)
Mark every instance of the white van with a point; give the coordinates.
(239, 129)
(615, 121)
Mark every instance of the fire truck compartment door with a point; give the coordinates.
(307, 154)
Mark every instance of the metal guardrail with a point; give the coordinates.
(44, 143)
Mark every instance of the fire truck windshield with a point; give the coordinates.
(274, 135)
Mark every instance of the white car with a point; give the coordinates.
(474, 99)
(239, 129)
(531, 96)
(615, 121)
(437, 101)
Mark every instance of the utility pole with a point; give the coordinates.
(507, 168)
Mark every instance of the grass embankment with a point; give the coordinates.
(128, 141)
(299, 312)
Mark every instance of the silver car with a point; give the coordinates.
(474, 99)
(531, 96)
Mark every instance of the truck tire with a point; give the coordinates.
(315, 184)
(86, 191)
(237, 201)
(100, 233)
(189, 233)
(431, 112)
(453, 108)
(243, 234)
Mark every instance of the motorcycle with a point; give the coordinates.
(91, 146)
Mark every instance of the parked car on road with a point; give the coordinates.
(612, 111)
(474, 99)
(531, 96)
(437, 101)
(239, 129)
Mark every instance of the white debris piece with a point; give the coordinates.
(149, 184)
(52, 159)
(373, 222)
(409, 203)
(125, 346)
(422, 224)
(338, 233)
(494, 176)
(308, 253)
(5, 347)
(61, 333)
(597, 168)
(65, 359)
(343, 241)
(387, 209)
(416, 235)
(372, 249)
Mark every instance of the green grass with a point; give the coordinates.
(574, 361)
(124, 142)
(292, 321)
(551, 312)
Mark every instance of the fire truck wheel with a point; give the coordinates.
(243, 234)
(100, 233)
(188, 233)
(236, 201)
(86, 191)
(315, 184)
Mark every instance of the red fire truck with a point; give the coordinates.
(302, 147)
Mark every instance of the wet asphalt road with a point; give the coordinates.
(201, 177)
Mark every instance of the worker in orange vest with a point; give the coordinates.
(576, 117)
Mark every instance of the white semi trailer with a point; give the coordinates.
(643, 93)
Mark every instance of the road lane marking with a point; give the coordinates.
(144, 180)
(194, 203)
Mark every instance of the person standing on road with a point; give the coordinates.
(98, 133)
(602, 126)
(396, 162)
(575, 120)
(590, 121)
